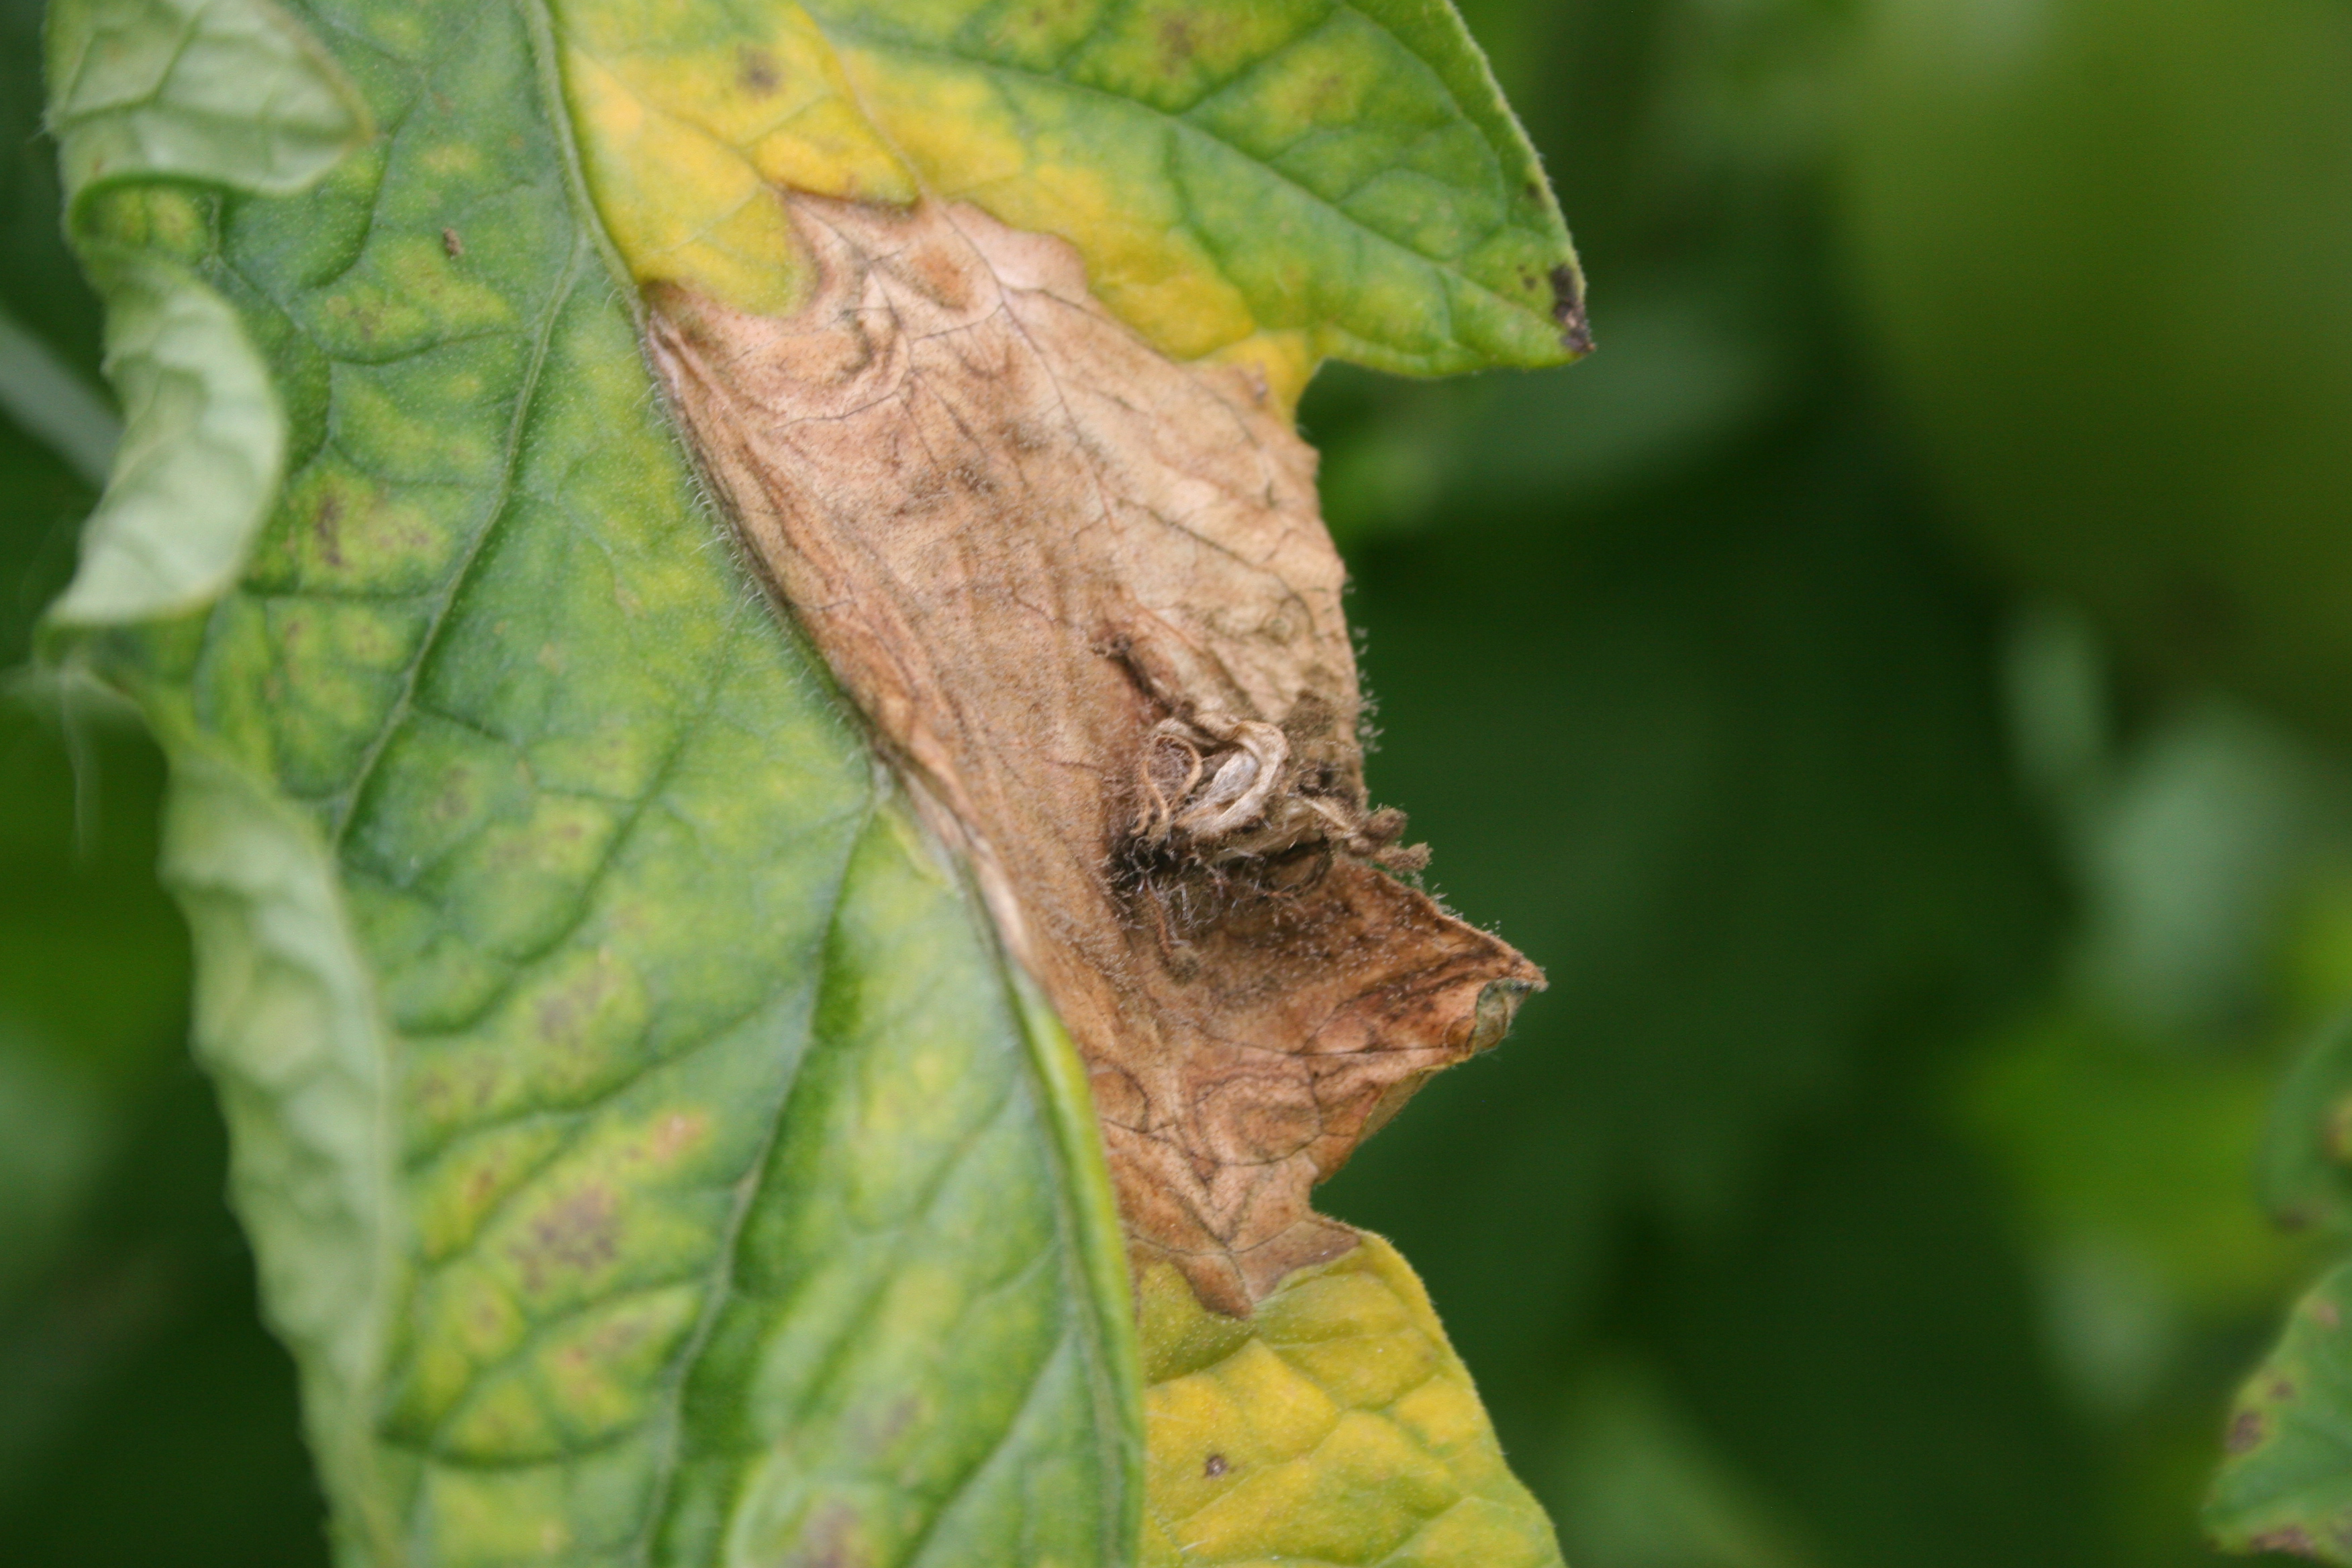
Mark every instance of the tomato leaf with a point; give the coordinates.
(645, 1145)
(650, 1153)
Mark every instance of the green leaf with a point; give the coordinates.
(1268, 183)
(1347, 172)
(203, 443)
(287, 1024)
(2308, 1155)
(2287, 1484)
(648, 1154)
(228, 90)
(221, 90)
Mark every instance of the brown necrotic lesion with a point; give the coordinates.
(1204, 780)
(1084, 597)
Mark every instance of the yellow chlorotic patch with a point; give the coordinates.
(1336, 1425)
(691, 119)
(1034, 164)
(1286, 361)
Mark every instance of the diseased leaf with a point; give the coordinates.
(652, 1157)
(2308, 1156)
(1266, 183)
(1336, 1425)
(1084, 594)
(726, 1197)
(2286, 1483)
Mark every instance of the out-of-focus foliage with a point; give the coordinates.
(1876, 1182)
(2171, 181)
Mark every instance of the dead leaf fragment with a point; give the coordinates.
(1085, 596)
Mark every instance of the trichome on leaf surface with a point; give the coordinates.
(651, 1154)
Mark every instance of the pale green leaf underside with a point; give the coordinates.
(286, 1021)
(202, 441)
(220, 90)
(664, 1169)
(228, 90)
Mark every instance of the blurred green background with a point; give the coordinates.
(1899, 688)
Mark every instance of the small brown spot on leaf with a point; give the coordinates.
(1567, 309)
(483, 1183)
(832, 1539)
(576, 1235)
(2325, 1313)
(1215, 1467)
(675, 1132)
(326, 526)
(758, 73)
(451, 245)
(2245, 1432)
(2288, 1538)
(565, 1012)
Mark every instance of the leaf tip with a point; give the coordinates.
(1567, 309)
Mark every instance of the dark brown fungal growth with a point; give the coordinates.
(1085, 597)
(1567, 309)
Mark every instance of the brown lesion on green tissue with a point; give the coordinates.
(1084, 596)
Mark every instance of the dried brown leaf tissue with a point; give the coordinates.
(1085, 597)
